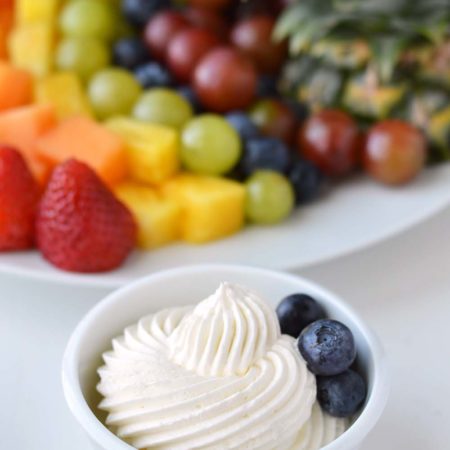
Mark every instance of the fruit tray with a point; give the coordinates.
(136, 135)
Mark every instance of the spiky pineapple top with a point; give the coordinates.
(376, 58)
(384, 29)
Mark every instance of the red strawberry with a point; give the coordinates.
(81, 226)
(19, 195)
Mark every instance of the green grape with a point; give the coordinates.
(85, 56)
(88, 18)
(210, 145)
(113, 92)
(270, 197)
(163, 106)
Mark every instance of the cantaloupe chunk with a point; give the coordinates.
(31, 47)
(88, 141)
(158, 218)
(32, 11)
(6, 23)
(21, 128)
(16, 87)
(152, 150)
(65, 92)
(211, 207)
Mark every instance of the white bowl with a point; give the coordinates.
(189, 285)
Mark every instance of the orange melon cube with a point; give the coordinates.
(87, 141)
(21, 128)
(16, 87)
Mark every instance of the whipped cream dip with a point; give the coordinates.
(218, 375)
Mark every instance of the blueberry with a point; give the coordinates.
(153, 75)
(189, 94)
(242, 123)
(341, 395)
(265, 153)
(138, 12)
(267, 86)
(296, 312)
(327, 346)
(130, 53)
(306, 179)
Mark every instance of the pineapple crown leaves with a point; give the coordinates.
(388, 26)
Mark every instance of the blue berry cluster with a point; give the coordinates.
(329, 349)
(266, 152)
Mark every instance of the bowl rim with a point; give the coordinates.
(100, 434)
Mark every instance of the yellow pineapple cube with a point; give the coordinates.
(158, 218)
(64, 91)
(152, 150)
(31, 47)
(32, 11)
(212, 207)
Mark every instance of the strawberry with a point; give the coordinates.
(81, 226)
(19, 195)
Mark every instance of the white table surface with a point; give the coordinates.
(401, 287)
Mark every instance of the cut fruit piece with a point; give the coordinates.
(152, 150)
(89, 142)
(33, 11)
(6, 23)
(158, 218)
(212, 208)
(16, 87)
(21, 128)
(31, 47)
(65, 93)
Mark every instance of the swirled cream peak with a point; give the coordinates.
(215, 376)
(225, 334)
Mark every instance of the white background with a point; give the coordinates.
(401, 287)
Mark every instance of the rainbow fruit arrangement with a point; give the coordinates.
(143, 122)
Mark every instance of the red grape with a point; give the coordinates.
(331, 140)
(274, 119)
(187, 48)
(253, 36)
(209, 20)
(161, 29)
(395, 152)
(225, 80)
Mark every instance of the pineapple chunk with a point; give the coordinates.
(31, 47)
(65, 93)
(212, 207)
(152, 150)
(32, 11)
(158, 218)
(371, 99)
